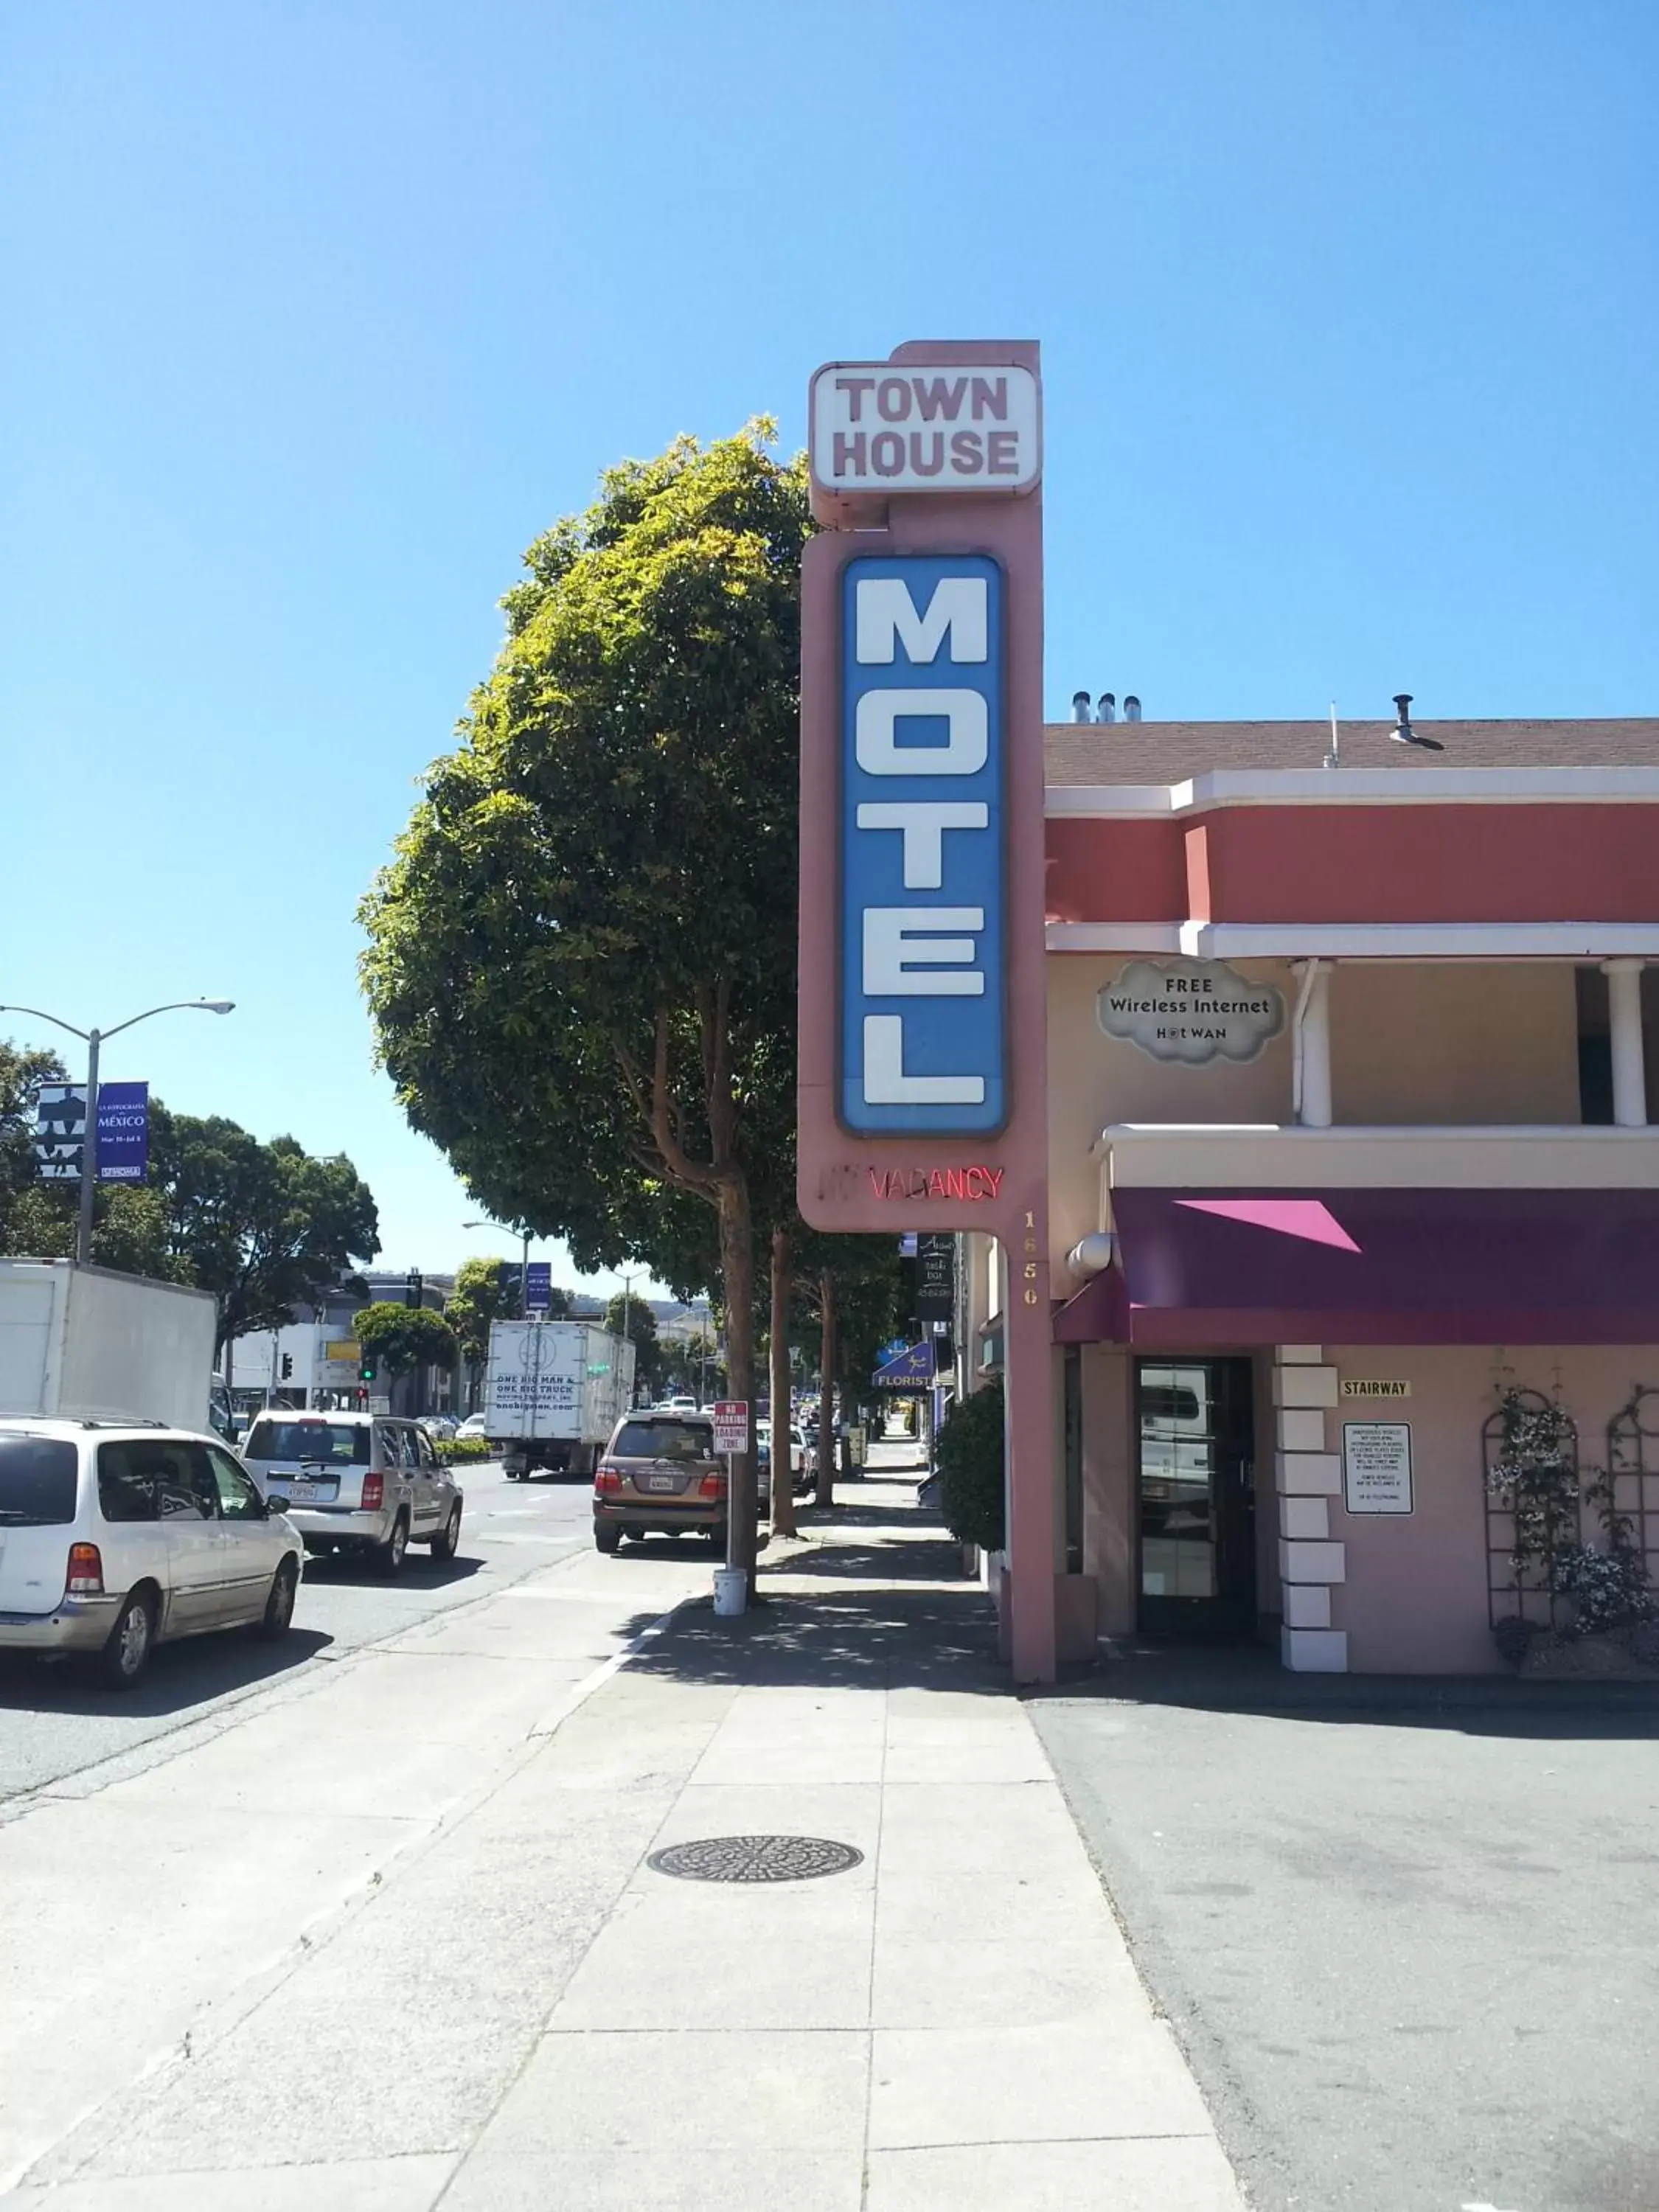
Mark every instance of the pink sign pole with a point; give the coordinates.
(896, 421)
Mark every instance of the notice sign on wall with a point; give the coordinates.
(1376, 1467)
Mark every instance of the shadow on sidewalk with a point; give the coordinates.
(891, 1636)
(927, 1558)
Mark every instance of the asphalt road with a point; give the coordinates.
(54, 1722)
(1410, 1951)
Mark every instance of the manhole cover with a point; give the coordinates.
(755, 1858)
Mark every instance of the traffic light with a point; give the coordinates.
(367, 1371)
(414, 1288)
(287, 1366)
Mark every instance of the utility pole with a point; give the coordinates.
(88, 1156)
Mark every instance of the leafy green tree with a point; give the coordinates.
(649, 1360)
(130, 1229)
(484, 1292)
(400, 1339)
(22, 1074)
(265, 1227)
(581, 962)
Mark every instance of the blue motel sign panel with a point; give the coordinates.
(922, 1017)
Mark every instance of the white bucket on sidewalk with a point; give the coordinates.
(731, 1591)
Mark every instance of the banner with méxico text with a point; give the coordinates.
(123, 1132)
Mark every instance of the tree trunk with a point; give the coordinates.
(738, 1280)
(783, 1473)
(826, 1490)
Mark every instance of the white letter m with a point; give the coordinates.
(887, 614)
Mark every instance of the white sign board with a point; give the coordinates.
(731, 1426)
(883, 426)
(1376, 1390)
(1376, 1467)
(1191, 1010)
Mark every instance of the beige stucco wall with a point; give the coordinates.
(1411, 1044)
(1094, 1079)
(1421, 1041)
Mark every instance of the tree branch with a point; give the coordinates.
(664, 1134)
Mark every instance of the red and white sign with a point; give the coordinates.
(731, 1426)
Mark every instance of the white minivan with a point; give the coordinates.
(115, 1536)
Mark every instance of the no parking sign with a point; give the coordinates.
(731, 1428)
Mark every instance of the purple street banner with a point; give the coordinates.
(123, 1132)
(538, 1287)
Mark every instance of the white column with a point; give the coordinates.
(1317, 1049)
(1311, 1565)
(1629, 1089)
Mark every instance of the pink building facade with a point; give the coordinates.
(1290, 1101)
(1349, 1069)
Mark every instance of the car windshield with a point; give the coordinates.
(664, 1440)
(335, 1443)
(37, 1481)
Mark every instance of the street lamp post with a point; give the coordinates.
(93, 1039)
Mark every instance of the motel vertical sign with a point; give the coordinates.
(922, 1100)
(922, 1024)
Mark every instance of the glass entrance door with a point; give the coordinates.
(1195, 1429)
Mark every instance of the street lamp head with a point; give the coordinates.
(217, 1005)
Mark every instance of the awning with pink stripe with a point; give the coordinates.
(1197, 1268)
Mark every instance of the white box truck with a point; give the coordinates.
(554, 1390)
(88, 1341)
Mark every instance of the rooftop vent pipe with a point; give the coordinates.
(1403, 732)
(1131, 708)
(1107, 710)
(1080, 707)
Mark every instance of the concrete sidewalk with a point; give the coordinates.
(527, 2015)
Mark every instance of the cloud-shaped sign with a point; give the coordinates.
(1193, 1011)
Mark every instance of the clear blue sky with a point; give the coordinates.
(316, 314)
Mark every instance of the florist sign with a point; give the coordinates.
(1190, 1011)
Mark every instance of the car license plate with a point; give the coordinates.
(300, 1494)
(660, 1482)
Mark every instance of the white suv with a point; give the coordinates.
(117, 1536)
(361, 1482)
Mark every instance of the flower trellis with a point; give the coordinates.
(1534, 1507)
(1632, 1476)
(1540, 1573)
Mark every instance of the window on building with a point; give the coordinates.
(1595, 1049)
